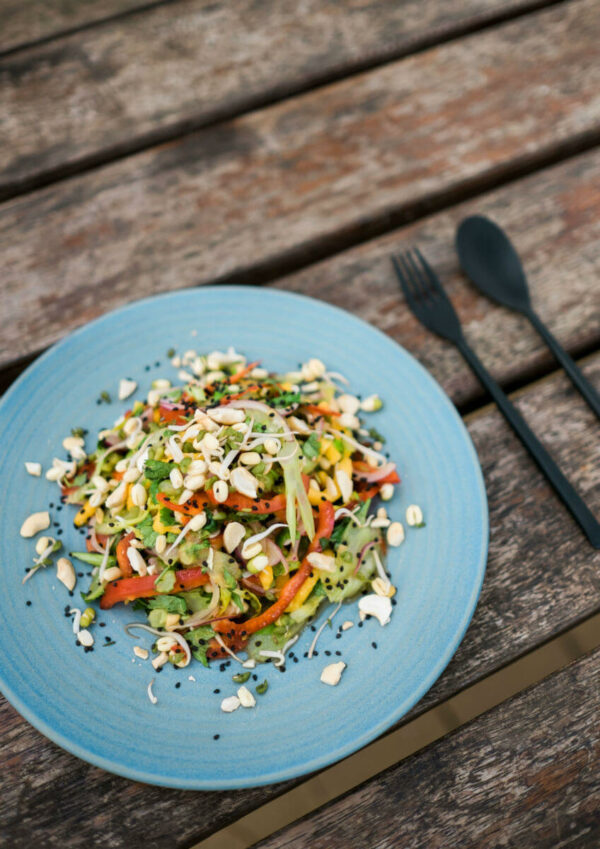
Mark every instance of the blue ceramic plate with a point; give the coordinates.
(95, 704)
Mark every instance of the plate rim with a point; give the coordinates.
(332, 757)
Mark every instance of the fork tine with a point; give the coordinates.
(424, 288)
(433, 278)
(398, 262)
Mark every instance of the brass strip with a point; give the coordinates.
(392, 748)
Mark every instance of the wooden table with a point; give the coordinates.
(151, 146)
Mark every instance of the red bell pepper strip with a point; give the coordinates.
(127, 589)
(102, 539)
(236, 501)
(239, 630)
(122, 559)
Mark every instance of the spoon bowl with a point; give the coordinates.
(488, 257)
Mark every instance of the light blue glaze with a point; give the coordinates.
(95, 705)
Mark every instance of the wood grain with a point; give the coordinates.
(542, 576)
(525, 774)
(24, 23)
(553, 218)
(179, 66)
(280, 181)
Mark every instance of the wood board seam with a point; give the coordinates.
(458, 711)
(187, 126)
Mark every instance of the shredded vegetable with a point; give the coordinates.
(270, 463)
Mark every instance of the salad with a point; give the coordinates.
(230, 508)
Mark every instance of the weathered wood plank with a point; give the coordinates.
(24, 23)
(542, 576)
(177, 67)
(279, 181)
(553, 217)
(525, 774)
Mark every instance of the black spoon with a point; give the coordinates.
(493, 265)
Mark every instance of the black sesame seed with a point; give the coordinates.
(28, 603)
(312, 628)
(254, 676)
(80, 574)
(216, 691)
(102, 624)
(59, 532)
(338, 636)
(177, 685)
(51, 504)
(146, 368)
(360, 624)
(305, 654)
(338, 653)
(295, 660)
(327, 652)
(374, 644)
(216, 736)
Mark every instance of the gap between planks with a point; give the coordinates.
(180, 129)
(470, 703)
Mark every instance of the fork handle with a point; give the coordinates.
(571, 499)
(572, 370)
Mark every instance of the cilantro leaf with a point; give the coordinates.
(170, 603)
(375, 435)
(148, 534)
(166, 516)
(156, 470)
(286, 399)
(199, 639)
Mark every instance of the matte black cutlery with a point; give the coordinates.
(491, 262)
(431, 306)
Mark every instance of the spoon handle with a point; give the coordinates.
(574, 372)
(570, 497)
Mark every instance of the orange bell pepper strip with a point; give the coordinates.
(176, 417)
(143, 586)
(122, 559)
(235, 378)
(319, 411)
(240, 630)
(363, 468)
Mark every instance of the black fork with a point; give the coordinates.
(431, 306)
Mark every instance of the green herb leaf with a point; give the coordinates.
(199, 639)
(170, 603)
(78, 431)
(104, 396)
(166, 516)
(240, 677)
(375, 435)
(147, 533)
(312, 447)
(156, 470)
(171, 353)
(278, 569)
(285, 399)
(79, 480)
(262, 688)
